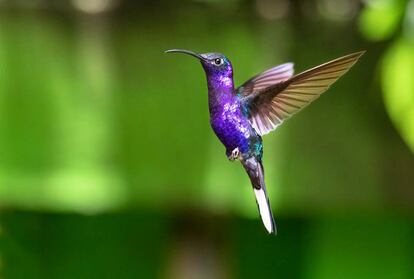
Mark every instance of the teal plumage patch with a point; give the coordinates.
(258, 149)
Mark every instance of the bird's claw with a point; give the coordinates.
(234, 154)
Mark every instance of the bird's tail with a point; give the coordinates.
(254, 169)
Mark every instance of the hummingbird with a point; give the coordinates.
(240, 116)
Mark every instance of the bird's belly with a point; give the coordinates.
(233, 130)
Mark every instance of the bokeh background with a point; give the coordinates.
(109, 168)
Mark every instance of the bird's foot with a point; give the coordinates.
(235, 154)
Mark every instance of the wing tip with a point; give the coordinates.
(360, 53)
(355, 55)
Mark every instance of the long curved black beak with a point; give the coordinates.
(196, 55)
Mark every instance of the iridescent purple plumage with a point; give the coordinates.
(230, 121)
(227, 118)
(240, 116)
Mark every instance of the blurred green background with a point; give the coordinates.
(109, 168)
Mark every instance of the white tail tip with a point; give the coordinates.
(264, 209)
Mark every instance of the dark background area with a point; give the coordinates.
(109, 168)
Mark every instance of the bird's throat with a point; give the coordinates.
(220, 90)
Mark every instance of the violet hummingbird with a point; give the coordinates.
(241, 116)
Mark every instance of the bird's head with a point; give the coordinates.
(214, 64)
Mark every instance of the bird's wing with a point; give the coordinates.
(267, 78)
(268, 107)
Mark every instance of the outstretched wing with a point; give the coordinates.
(267, 78)
(269, 106)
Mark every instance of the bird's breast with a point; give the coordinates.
(231, 126)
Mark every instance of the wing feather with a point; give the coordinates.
(267, 78)
(272, 101)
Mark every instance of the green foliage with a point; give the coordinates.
(398, 84)
(381, 18)
(109, 169)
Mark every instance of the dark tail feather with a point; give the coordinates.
(254, 169)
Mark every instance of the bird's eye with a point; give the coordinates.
(218, 61)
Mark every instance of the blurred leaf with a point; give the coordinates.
(381, 18)
(398, 83)
(409, 20)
